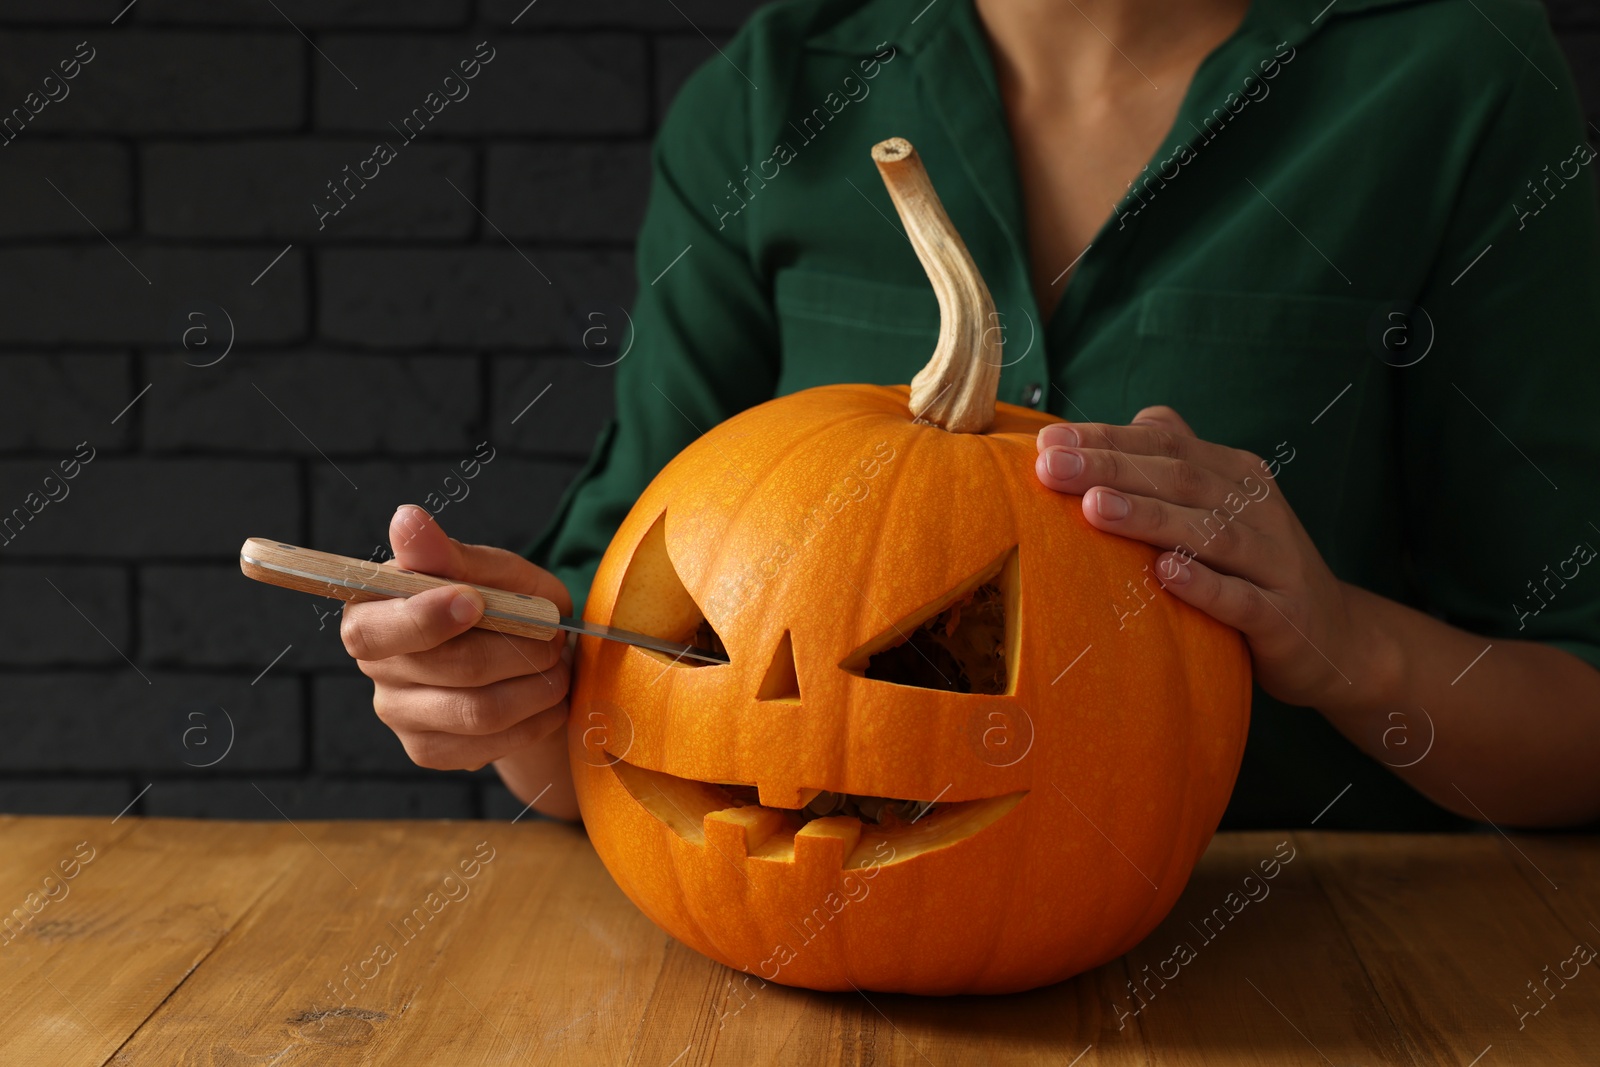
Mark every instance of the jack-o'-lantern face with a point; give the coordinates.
(963, 742)
(948, 724)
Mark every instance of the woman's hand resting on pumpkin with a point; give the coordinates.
(1234, 548)
(459, 697)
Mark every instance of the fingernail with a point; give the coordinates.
(1062, 435)
(1063, 464)
(1109, 505)
(411, 517)
(1176, 571)
(462, 609)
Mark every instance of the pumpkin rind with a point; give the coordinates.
(823, 519)
(1065, 813)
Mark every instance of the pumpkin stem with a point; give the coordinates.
(957, 389)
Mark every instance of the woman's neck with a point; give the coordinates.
(1080, 49)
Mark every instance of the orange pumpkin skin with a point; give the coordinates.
(829, 518)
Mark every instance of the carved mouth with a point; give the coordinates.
(840, 830)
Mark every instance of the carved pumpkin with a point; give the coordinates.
(947, 755)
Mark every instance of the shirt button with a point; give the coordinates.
(1032, 393)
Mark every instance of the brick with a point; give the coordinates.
(70, 397)
(308, 14)
(465, 298)
(312, 799)
(88, 293)
(170, 81)
(64, 796)
(506, 505)
(279, 188)
(101, 11)
(377, 403)
(151, 508)
(42, 624)
(566, 419)
(627, 14)
(555, 83)
(347, 734)
(92, 177)
(105, 721)
(212, 615)
(568, 192)
(676, 59)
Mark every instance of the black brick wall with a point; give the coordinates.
(397, 336)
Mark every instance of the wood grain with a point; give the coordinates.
(154, 901)
(258, 943)
(1449, 931)
(1274, 977)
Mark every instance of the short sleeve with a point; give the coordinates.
(705, 339)
(1498, 423)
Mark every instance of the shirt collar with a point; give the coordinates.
(912, 24)
(944, 40)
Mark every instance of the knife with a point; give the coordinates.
(358, 580)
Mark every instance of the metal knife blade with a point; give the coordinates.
(628, 637)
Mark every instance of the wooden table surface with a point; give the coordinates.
(179, 942)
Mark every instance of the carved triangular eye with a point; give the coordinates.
(653, 600)
(781, 681)
(966, 641)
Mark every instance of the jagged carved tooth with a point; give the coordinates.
(740, 831)
(827, 842)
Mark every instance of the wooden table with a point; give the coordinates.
(178, 942)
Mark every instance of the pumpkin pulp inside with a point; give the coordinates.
(960, 650)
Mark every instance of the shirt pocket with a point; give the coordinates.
(1247, 368)
(836, 328)
(1290, 378)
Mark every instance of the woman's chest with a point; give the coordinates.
(1074, 164)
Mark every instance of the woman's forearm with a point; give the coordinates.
(1511, 735)
(540, 775)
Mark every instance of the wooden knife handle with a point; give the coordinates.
(357, 580)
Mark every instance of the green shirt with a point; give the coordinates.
(1332, 166)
